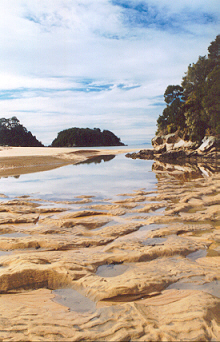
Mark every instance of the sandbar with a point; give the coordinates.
(19, 160)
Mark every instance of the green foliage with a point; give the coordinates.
(173, 93)
(211, 101)
(85, 137)
(173, 116)
(195, 107)
(214, 49)
(12, 133)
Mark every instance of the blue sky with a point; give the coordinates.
(98, 63)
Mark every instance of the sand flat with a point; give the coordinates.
(21, 160)
(53, 151)
(32, 151)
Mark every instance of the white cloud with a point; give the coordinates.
(79, 63)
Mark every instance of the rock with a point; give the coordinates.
(160, 149)
(171, 138)
(172, 155)
(208, 143)
(18, 218)
(172, 148)
(144, 279)
(143, 154)
(138, 198)
(151, 207)
(179, 229)
(157, 140)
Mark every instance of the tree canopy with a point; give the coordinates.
(12, 133)
(194, 107)
(85, 137)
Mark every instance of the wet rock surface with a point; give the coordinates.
(144, 267)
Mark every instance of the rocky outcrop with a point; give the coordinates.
(173, 148)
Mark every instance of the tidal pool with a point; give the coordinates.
(74, 300)
(213, 287)
(111, 270)
(104, 179)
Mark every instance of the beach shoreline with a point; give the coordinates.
(21, 160)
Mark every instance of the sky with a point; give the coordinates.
(98, 63)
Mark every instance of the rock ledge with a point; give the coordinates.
(172, 148)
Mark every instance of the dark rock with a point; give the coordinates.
(142, 154)
(172, 155)
(160, 149)
(158, 140)
(171, 138)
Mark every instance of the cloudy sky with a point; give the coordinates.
(98, 63)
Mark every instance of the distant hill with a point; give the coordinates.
(12, 133)
(85, 137)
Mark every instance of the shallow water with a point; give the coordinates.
(14, 235)
(103, 180)
(74, 300)
(201, 253)
(3, 253)
(213, 287)
(111, 270)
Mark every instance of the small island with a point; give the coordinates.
(86, 137)
(12, 133)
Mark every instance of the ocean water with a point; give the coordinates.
(102, 178)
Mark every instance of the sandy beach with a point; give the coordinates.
(20, 160)
(143, 267)
(53, 151)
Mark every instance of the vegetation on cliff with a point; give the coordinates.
(12, 133)
(85, 137)
(194, 107)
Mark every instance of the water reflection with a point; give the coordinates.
(94, 160)
(15, 176)
(185, 171)
(98, 159)
(104, 178)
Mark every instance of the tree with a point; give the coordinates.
(196, 75)
(86, 137)
(194, 116)
(173, 93)
(195, 107)
(201, 90)
(211, 100)
(14, 134)
(173, 116)
(214, 49)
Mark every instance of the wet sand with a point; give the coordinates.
(21, 160)
(144, 267)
